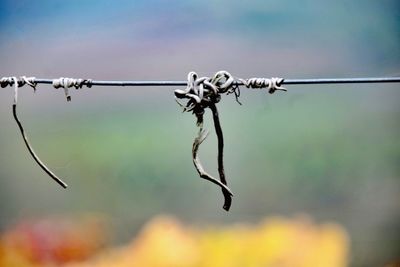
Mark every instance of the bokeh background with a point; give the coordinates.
(317, 155)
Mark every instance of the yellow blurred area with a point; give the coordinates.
(164, 241)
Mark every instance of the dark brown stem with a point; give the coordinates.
(35, 157)
(218, 131)
(199, 167)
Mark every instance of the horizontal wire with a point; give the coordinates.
(285, 81)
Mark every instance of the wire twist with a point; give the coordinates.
(67, 83)
(9, 81)
(271, 85)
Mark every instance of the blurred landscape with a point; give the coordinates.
(330, 153)
(164, 241)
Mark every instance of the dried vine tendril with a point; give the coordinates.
(31, 81)
(205, 92)
(18, 83)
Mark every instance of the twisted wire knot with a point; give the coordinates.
(271, 85)
(67, 83)
(21, 81)
(6, 81)
(18, 82)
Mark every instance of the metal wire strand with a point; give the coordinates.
(285, 81)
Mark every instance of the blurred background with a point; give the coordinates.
(315, 171)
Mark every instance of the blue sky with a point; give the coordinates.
(233, 17)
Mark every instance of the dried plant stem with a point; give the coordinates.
(218, 131)
(199, 167)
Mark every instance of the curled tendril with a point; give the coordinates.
(202, 93)
(205, 92)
